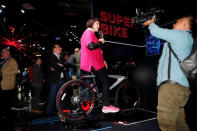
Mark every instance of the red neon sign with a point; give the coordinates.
(115, 24)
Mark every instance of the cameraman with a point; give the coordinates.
(174, 90)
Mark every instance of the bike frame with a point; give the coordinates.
(118, 78)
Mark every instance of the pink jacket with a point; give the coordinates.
(90, 58)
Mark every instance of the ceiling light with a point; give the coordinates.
(23, 11)
(3, 6)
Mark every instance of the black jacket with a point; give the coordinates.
(53, 76)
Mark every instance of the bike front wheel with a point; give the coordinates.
(75, 100)
(127, 98)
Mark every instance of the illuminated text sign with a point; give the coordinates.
(115, 24)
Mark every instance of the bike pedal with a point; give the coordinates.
(61, 117)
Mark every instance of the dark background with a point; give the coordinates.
(61, 21)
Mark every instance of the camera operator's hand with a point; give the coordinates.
(148, 22)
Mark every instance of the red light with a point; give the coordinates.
(13, 40)
(12, 43)
(12, 29)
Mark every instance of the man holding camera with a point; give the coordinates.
(173, 85)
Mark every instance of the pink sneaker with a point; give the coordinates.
(110, 109)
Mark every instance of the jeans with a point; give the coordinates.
(53, 89)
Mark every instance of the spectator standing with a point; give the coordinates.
(67, 66)
(78, 61)
(74, 64)
(55, 77)
(8, 72)
(37, 83)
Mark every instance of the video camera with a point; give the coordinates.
(144, 15)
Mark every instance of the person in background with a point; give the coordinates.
(74, 64)
(78, 61)
(92, 60)
(173, 85)
(67, 67)
(8, 71)
(55, 77)
(37, 83)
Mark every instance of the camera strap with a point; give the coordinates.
(169, 61)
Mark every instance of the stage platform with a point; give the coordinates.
(142, 120)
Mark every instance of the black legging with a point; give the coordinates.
(102, 81)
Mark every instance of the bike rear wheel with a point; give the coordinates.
(75, 100)
(127, 98)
